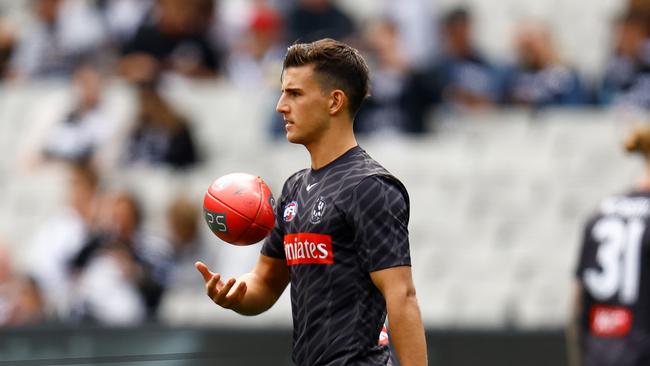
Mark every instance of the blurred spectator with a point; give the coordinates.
(121, 271)
(640, 8)
(21, 302)
(7, 41)
(63, 32)
(311, 20)
(86, 126)
(183, 219)
(540, 79)
(175, 41)
(256, 62)
(161, 136)
(627, 72)
(386, 110)
(62, 236)
(124, 17)
(28, 305)
(232, 21)
(625, 65)
(78, 128)
(466, 79)
(418, 34)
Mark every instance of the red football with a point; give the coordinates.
(238, 208)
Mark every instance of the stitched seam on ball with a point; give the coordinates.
(252, 221)
(231, 209)
(259, 204)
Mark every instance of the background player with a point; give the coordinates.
(341, 234)
(611, 316)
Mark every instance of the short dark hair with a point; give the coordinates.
(338, 65)
(457, 15)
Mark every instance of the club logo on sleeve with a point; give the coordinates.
(308, 248)
(317, 212)
(290, 211)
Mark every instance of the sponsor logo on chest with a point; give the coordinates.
(308, 248)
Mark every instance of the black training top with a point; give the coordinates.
(334, 226)
(614, 271)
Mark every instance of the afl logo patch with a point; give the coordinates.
(290, 211)
(317, 212)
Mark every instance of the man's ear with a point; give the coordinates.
(337, 101)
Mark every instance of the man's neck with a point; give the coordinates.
(332, 145)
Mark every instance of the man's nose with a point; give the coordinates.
(282, 106)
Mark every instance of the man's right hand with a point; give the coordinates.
(227, 295)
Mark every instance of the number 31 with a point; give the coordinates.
(619, 245)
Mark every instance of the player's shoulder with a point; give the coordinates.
(371, 176)
(297, 175)
(382, 183)
(624, 205)
(358, 165)
(629, 203)
(295, 178)
(375, 173)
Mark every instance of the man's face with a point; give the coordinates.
(125, 219)
(458, 38)
(304, 105)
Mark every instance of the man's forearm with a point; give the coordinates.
(407, 331)
(259, 296)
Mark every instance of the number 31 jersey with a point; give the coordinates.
(334, 226)
(613, 270)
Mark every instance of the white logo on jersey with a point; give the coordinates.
(310, 186)
(317, 212)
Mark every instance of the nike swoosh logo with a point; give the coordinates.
(310, 186)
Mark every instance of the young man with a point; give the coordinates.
(610, 323)
(341, 234)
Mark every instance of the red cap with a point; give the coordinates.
(265, 19)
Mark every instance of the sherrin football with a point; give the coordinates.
(239, 208)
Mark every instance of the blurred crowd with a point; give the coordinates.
(94, 261)
(419, 61)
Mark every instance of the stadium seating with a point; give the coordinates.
(497, 199)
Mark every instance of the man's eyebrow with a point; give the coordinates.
(291, 89)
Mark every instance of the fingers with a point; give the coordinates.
(223, 294)
(213, 286)
(238, 294)
(220, 296)
(205, 272)
(230, 294)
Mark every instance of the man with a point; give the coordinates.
(341, 234)
(610, 323)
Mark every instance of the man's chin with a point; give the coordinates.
(292, 138)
